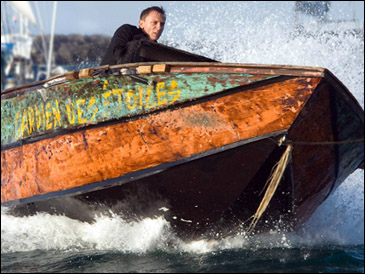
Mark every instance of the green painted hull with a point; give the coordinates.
(73, 104)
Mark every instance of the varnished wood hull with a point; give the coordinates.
(203, 155)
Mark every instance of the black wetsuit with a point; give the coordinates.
(124, 45)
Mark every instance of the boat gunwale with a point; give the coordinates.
(283, 70)
(280, 70)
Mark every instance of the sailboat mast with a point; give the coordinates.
(51, 41)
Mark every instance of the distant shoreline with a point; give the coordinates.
(72, 49)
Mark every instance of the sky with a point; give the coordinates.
(104, 17)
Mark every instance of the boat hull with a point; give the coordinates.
(200, 140)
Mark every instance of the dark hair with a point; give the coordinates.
(147, 11)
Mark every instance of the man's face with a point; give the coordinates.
(153, 25)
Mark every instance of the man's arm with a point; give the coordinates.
(118, 44)
(120, 39)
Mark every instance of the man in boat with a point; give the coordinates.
(125, 43)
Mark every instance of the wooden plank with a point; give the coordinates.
(144, 69)
(86, 73)
(159, 68)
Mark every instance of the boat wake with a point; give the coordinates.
(339, 221)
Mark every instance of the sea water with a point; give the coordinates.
(331, 241)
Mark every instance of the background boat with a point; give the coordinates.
(17, 66)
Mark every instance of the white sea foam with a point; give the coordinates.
(44, 231)
(236, 32)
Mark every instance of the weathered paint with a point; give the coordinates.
(92, 155)
(89, 101)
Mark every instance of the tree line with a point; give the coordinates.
(71, 49)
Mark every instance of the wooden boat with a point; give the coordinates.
(195, 140)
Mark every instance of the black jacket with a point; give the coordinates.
(124, 46)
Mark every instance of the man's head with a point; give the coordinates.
(152, 22)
